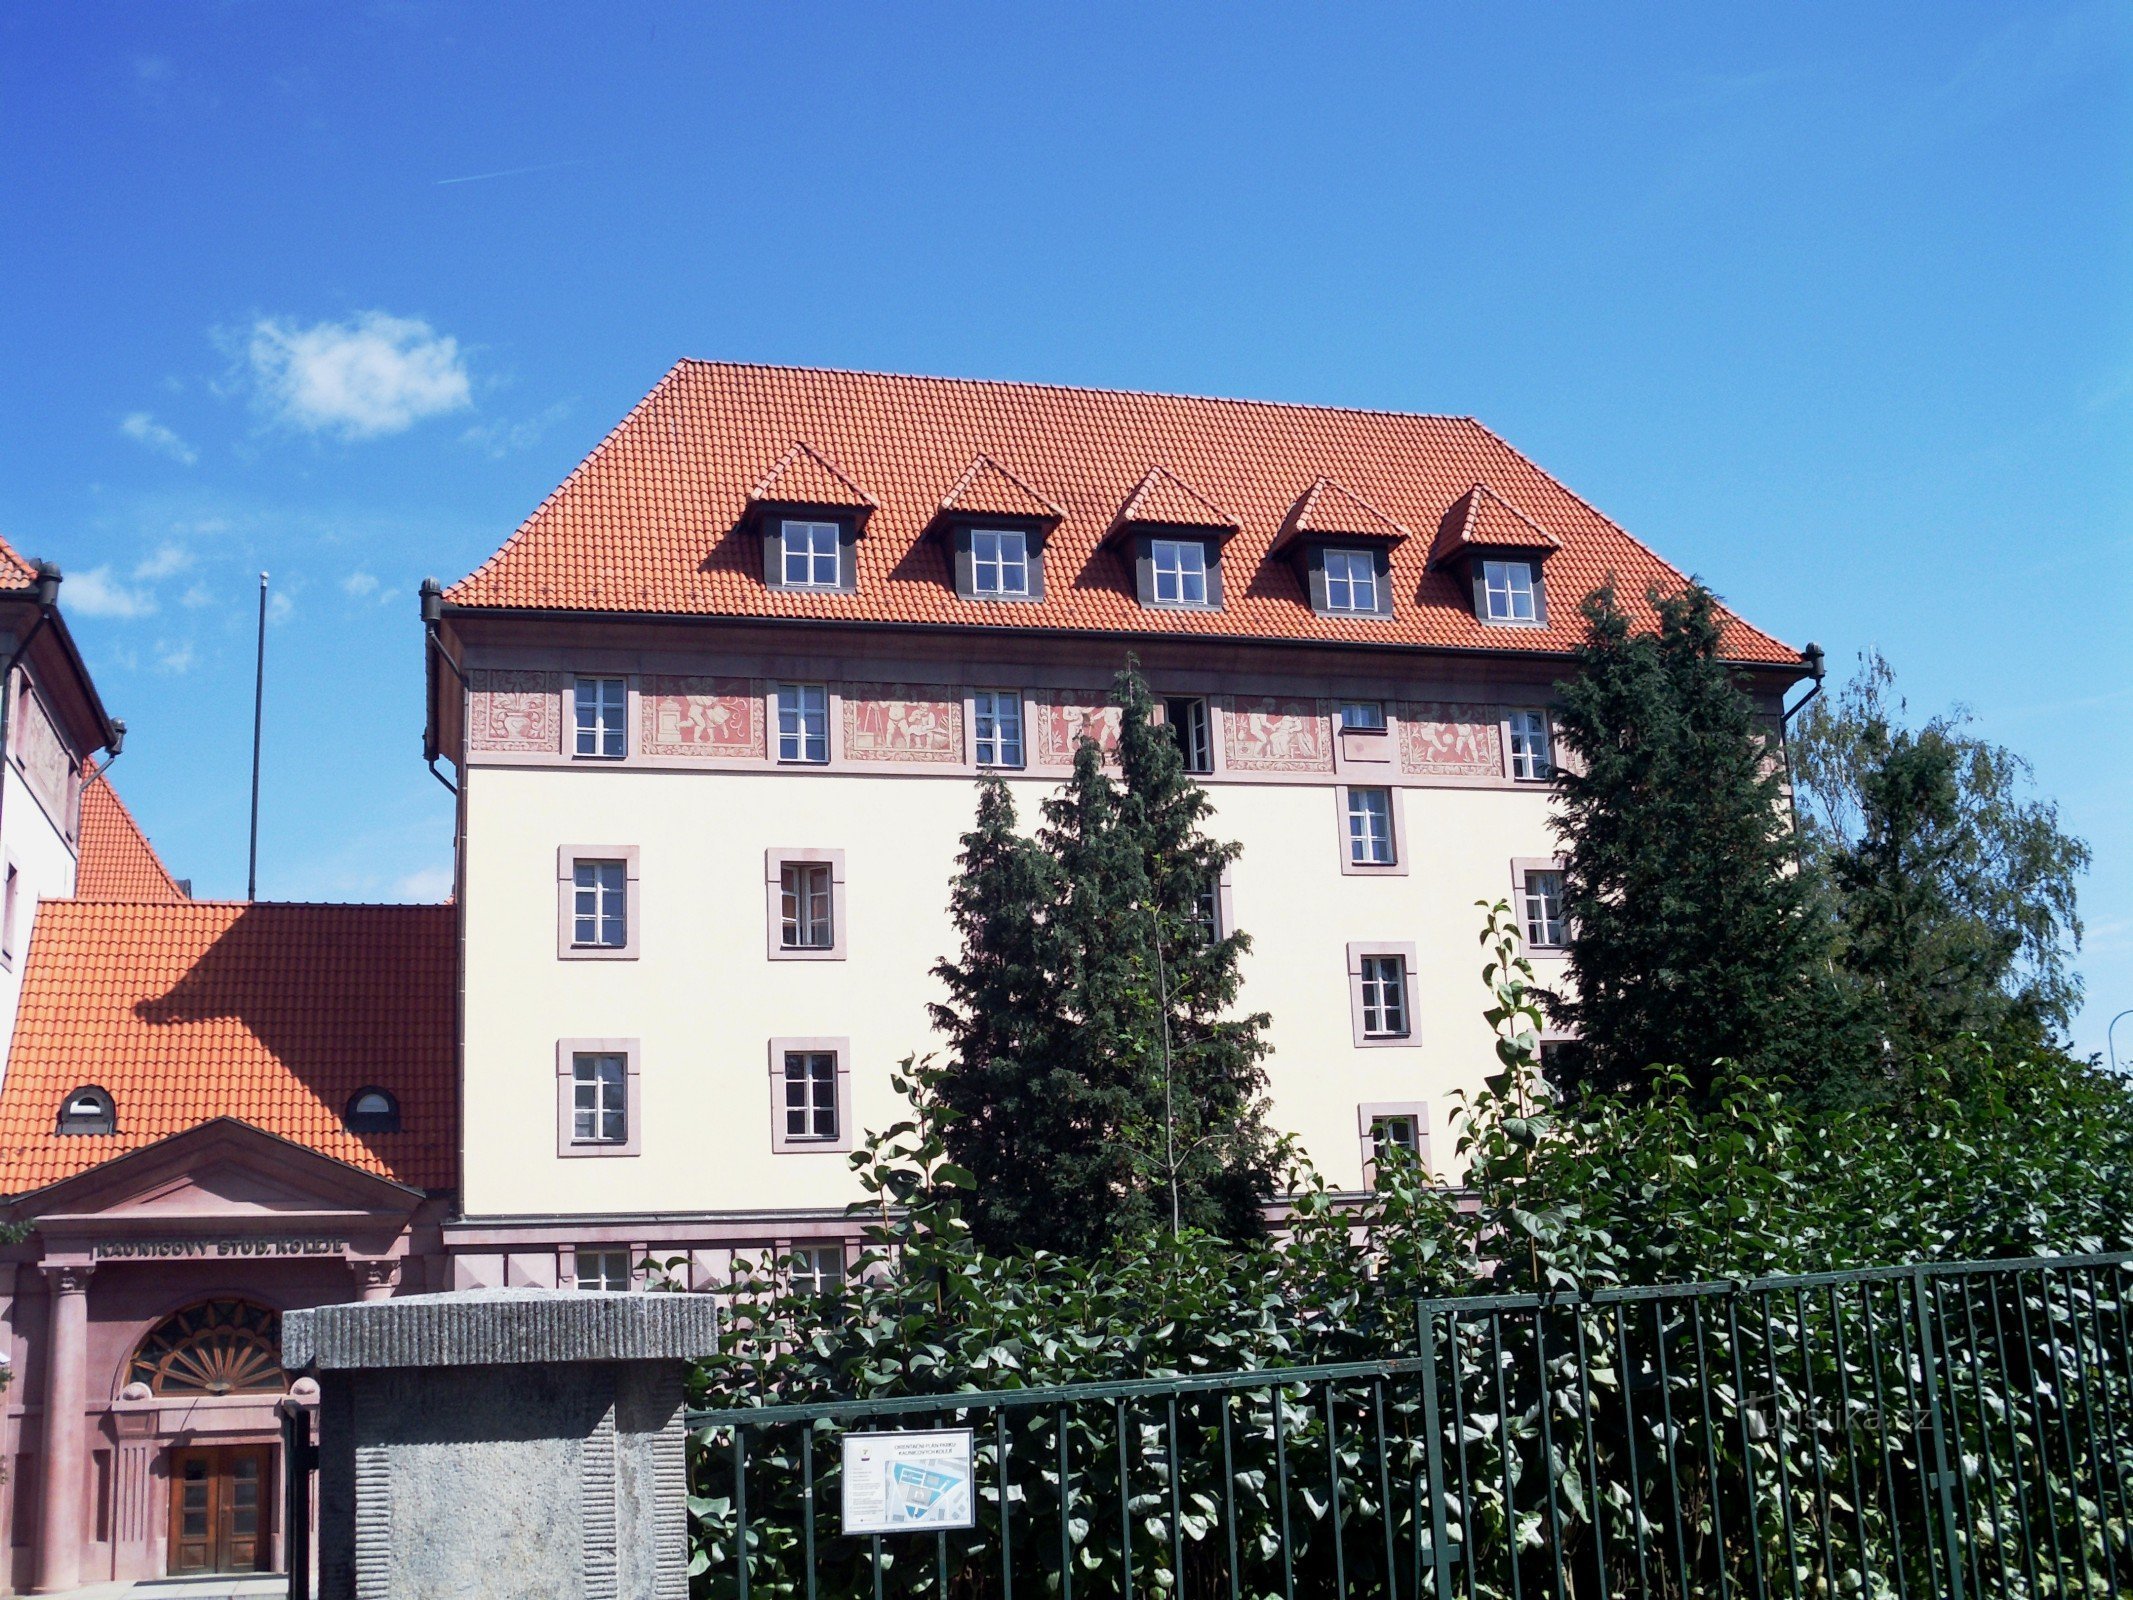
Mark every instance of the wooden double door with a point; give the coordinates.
(220, 1497)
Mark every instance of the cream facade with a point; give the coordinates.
(704, 1004)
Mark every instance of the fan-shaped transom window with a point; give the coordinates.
(88, 1110)
(215, 1347)
(373, 1111)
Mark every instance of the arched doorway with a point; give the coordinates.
(219, 1494)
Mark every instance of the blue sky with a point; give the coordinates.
(1830, 303)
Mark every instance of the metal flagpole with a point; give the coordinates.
(259, 691)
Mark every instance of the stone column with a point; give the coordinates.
(64, 1461)
(516, 1443)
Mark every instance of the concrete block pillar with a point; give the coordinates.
(503, 1442)
(62, 1487)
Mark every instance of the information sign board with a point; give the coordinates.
(908, 1482)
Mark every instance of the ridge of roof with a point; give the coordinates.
(1041, 386)
(14, 564)
(1165, 499)
(1016, 498)
(814, 480)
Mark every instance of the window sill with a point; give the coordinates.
(574, 1149)
(598, 952)
(1388, 1041)
(1509, 622)
(829, 952)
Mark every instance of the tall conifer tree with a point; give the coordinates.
(1103, 1086)
(1692, 936)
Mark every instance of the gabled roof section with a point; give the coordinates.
(803, 478)
(654, 521)
(1328, 510)
(1163, 500)
(15, 573)
(115, 859)
(1481, 519)
(272, 1014)
(988, 489)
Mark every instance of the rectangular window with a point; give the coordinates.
(808, 555)
(1362, 716)
(1507, 590)
(600, 915)
(999, 562)
(1186, 717)
(1384, 981)
(1395, 1133)
(1351, 580)
(599, 1099)
(1544, 910)
(807, 906)
(602, 726)
(7, 912)
(803, 722)
(816, 1269)
(1178, 568)
(604, 1271)
(1532, 754)
(997, 718)
(811, 1096)
(1207, 914)
(1370, 827)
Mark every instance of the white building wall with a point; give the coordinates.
(40, 846)
(703, 999)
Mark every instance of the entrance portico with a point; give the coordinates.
(141, 1433)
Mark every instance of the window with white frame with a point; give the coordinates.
(600, 905)
(1362, 716)
(602, 726)
(999, 563)
(807, 906)
(1384, 997)
(1206, 913)
(605, 1271)
(1532, 751)
(1178, 571)
(1186, 717)
(809, 556)
(1370, 842)
(1351, 580)
(599, 1098)
(1507, 592)
(816, 1269)
(1399, 1131)
(1544, 909)
(996, 716)
(803, 722)
(811, 1096)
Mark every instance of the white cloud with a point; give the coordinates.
(167, 562)
(144, 430)
(501, 437)
(96, 594)
(279, 606)
(175, 658)
(197, 596)
(375, 375)
(358, 584)
(429, 884)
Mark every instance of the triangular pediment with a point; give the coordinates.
(805, 477)
(222, 1170)
(1480, 519)
(988, 489)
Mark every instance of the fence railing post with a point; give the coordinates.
(1929, 1348)
(1440, 1554)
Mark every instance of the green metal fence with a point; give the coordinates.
(1948, 1430)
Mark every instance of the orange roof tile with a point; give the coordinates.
(989, 488)
(1327, 508)
(15, 573)
(652, 521)
(272, 1014)
(1163, 501)
(115, 859)
(803, 478)
(1479, 519)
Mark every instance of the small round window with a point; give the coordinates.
(88, 1110)
(373, 1111)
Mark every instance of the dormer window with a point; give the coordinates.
(1177, 571)
(372, 1110)
(88, 1110)
(1510, 592)
(811, 555)
(1351, 581)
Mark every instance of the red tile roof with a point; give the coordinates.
(15, 573)
(803, 478)
(653, 521)
(1162, 501)
(272, 1014)
(1480, 520)
(988, 487)
(1327, 508)
(115, 859)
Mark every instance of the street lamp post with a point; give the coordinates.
(2109, 1043)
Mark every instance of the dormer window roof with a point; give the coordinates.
(805, 480)
(1328, 511)
(1163, 500)
(1483, 521)
(987, 489)
(811, 517)
(995, 526)
(1342, 546)
(1173, 535)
